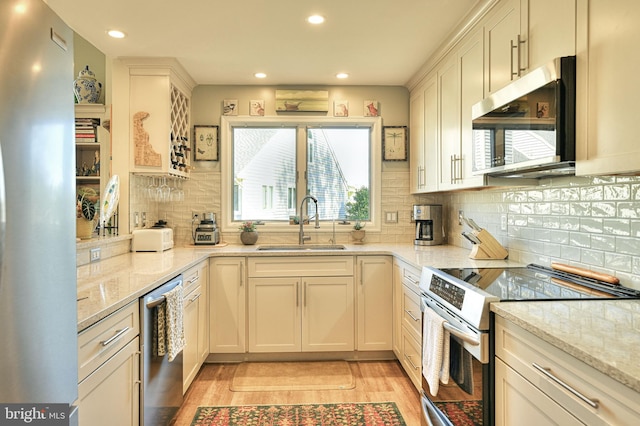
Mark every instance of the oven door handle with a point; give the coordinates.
(466, 337)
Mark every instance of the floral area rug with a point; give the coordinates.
(462, 413)
(345, 414)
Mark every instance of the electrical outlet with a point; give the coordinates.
(460, 217)
(503, 222)
(136, 220)
(94, 254)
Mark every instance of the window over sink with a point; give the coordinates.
(271, 163)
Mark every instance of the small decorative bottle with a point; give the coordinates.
(86, 88)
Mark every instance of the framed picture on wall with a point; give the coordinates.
(394, 143)
(205, 139)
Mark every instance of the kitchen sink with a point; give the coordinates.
(302, 247)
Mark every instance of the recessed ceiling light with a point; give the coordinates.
(260, 75)
(315, 19)
(342, 75)
(116, 34)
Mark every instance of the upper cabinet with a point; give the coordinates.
(160, 107)
(504, 45)
(513, 37)
(441, 121)
(522, 35)
(607, 83)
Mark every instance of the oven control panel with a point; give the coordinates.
(447, 291)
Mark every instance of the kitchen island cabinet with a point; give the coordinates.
(227, 305)
(301, 304)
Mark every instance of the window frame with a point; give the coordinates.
(227, 123)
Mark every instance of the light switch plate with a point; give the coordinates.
(391, 217)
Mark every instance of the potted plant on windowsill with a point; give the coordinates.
(358, 232)
(358, 210)
(248, 233)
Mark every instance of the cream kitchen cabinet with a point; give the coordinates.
(301, 304)
(160, 108)
(196, 321)
(424, 136)
(417, 158)
(537, 383)
(397, 308)
(522, 35)
(227, 305)
(607, 83)
(409, 321)
(374, 282)
(504, 46)
(444, 104)
(109, 370)
(448, 145)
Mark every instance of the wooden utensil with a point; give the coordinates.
(586, 273)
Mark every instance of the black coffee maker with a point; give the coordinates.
(429, 230)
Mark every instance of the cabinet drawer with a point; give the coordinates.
(521, 350)
(412, 357)
(111, 394)
(411, 315)
(194, 276)
(313, 266)
(100, 341)
(410, 276)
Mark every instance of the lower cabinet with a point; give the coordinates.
(537, 383)
(522, 403)
(227, 305)
(408, 320)
(293, 314)
(374, 282)
(196, 322)
(109, 370)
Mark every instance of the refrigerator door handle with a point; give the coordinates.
(3, 215)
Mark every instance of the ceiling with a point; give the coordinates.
(377, 42)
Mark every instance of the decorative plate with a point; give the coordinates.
(110, 199)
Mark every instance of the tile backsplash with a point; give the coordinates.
(592, 222)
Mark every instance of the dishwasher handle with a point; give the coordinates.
(155, 302)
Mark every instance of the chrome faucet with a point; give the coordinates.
(302, 238)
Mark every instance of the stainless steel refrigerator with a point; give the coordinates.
(38, 318)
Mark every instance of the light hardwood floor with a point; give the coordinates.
(376, 381)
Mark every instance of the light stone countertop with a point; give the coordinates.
(602, 334)
(109, 284)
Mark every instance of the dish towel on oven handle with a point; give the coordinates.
(174, 324)
(435, 350)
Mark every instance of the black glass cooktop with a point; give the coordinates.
(536, 283)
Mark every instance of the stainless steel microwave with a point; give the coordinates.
(527, 129)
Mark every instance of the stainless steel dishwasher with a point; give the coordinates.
(161, 379)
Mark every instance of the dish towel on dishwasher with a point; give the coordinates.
(435, 350)
(170, 334)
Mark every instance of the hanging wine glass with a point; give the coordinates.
(164, 191)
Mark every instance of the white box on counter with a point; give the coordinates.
(152, 239)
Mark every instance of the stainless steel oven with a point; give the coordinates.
(461, 299)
